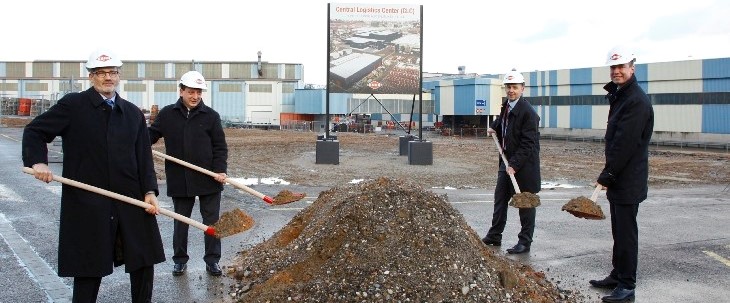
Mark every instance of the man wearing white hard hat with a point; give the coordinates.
(626, 172)
(105, 144)
(517, 132)
(194, 134)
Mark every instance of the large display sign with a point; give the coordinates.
(374, 48)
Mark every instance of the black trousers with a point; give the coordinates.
(502, 194)
(210, 206)
(625, 233)
(86, 289)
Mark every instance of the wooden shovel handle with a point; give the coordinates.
(506, 164)
(207, 229)
(249, 190)
(594, 197)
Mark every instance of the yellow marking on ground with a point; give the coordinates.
(717, 257)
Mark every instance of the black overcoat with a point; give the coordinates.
(109, 149)
(195, 137)
(523, 143)
(629, 130)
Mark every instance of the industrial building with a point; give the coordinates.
(691, 98)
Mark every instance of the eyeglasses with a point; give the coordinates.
(102, 74)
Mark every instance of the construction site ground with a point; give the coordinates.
(465, 165)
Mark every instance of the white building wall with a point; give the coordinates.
(599, 116)
(563, 116)
(564, 82)
(678, 118)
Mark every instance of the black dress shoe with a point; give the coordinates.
(179, 269)
(488, 241)
(213, 269)
(620, 295)
(607, 282)
(518, 249)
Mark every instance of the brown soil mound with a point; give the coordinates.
(232, 222)
(525, 200)
(383, 241)
(583, 207)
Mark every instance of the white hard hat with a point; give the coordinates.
(513, 77)
(619, 55)
(103, 58)
(193, 79)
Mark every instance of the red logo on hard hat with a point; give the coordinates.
(510, 77)
(103, 58)
(198, 81)
(615, 57)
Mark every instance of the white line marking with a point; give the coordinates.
(37, 268)
(8, 194)
(717, 257)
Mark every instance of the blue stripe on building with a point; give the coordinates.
(553, 82)
(553, 116)
(581, 81)
(715, 118)
(580, 116)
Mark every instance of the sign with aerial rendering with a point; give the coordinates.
(374, 48)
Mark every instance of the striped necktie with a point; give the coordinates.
(505, 121)
(110, 102)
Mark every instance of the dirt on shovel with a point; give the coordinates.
(232, 222)
(583, 207)
(286, 197)
(525, 200)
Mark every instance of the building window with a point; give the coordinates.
(9, 87)
(70, 70)
(240, 70)
(42, 69)
(130, 70)
(165, 87)
(288, 88)
(229, 88)
(36, 87)
(15, 70)
(154, 71)
(135, 87)
(212, 70)
(182, 68)
(259, 88)
(290, 72)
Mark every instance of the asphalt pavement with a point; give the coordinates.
(684, 239)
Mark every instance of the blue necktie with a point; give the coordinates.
(110, 102)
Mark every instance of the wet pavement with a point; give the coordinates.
(684, 253)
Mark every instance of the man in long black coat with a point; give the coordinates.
(194, 134)
(106, 146)
(626, 172)
(518, 134)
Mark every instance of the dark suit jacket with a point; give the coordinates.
(196, 138)
(107, 149)
(629, 130)
(523, 143)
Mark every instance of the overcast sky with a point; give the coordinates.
(488, 37)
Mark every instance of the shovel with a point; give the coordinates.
(238, 216)
(519, 199)
(583, 207)
(283, 197)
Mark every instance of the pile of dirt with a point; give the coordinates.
(383, 240)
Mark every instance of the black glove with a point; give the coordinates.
(606, 179)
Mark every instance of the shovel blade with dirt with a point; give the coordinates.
(283, 197)
(586, 208)
(230, 222)
(519, 199)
